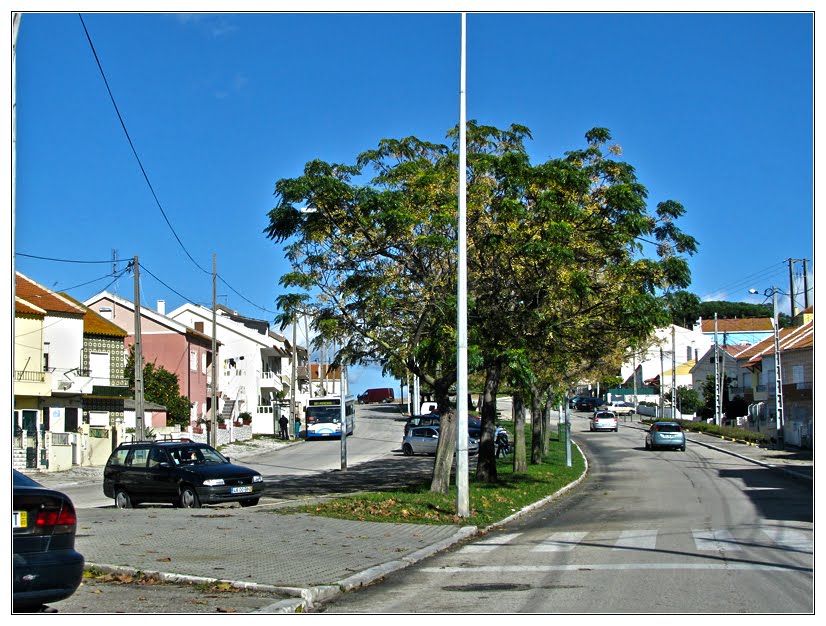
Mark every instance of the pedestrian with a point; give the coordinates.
(502, 443)
(284, 423)
(297, 426)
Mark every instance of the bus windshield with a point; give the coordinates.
(323, 414)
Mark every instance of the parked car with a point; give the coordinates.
(425, 440)
(620, 408)
(47, 568)
(587, 403)
(665, 435)
(182, 473)
(604, 420)
(381, 394)
(431, 419)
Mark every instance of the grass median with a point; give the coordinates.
(489, 503)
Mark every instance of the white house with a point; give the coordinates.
(254, 366)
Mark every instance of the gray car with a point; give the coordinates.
(425, 440)
(665, 435)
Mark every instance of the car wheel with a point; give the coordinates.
(682, 448)
(647, 445)
(408, 451)
(616, 429)
(122, 499)
(246, 503)
(189, 498)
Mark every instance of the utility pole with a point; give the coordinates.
(792, 306)
(662, 383)
(214, 399)
(343, 414)
(805, 285)
(462, 500)
(673, 370)
(139, 400)
(293, 386)
(778, 375)
(716, 375)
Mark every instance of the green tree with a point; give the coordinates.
(684, 308)
(161, 387)
(556, 278)
(688, 400)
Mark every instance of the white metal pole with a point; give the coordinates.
(778, 376)
(462, 499)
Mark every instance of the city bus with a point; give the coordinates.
(322, 416)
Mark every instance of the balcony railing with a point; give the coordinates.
(29, 376)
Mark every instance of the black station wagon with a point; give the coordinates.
(183, 473)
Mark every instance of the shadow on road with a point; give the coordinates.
(387, 474)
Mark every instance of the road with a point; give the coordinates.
(647, 532)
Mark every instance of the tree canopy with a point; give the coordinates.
(559, 280)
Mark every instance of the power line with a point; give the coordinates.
(132, 146)
(45, 258)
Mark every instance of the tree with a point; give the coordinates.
(161, 387)
(684, 308)
(555, 270)
(688, 400)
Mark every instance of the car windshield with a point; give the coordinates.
(197, 456)
(668, 428)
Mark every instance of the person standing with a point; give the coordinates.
(284, 423)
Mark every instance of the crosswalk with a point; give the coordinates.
(704, 540)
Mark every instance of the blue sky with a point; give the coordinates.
(714, 110)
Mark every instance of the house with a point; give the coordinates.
(737, 331)
(167, 343)
(669, 347)
(758, 376)
(723, 363)
(69, 387)
(254, 362)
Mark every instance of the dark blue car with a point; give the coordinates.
(47, 568)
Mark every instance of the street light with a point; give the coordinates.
(772, 292)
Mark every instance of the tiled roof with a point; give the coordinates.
(96, 324)
(38, 295)
(22, 307)
(739, 325)
(795, 338)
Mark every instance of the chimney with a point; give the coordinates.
(162, 307)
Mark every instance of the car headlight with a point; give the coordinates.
(258, 478)
(214, 482)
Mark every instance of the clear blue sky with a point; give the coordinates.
(714, 111)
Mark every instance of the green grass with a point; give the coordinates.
(489, 503)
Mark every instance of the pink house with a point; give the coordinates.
(166, 342)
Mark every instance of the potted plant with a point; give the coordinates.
(245, 418)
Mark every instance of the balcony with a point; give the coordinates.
(30, 383)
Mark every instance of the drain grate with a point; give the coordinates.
(488, 587)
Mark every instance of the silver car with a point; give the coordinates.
(425, 440)
(665, 435)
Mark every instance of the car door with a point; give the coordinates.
(160, 483)
(134, 475)
(430, 440)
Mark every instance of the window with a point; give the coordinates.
(797, 374)
(193, 360)
(203, 362)
(156, 457)
(138, 457)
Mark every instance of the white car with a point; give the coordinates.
(425, 440)
(620, 408)
(604, 420)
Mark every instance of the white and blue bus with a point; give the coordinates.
(322, 416)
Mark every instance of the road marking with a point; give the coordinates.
(790, 539)
(637, 540)
(560, 542)
(486, 545)
(715, 539)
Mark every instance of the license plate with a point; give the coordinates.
(19, 519)
(240, 490)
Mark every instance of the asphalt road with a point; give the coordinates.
(647, 532)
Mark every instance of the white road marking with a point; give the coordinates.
(636, 539)
(486, 545)
(560, 542)
(715, 539)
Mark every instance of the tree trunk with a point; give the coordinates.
(440, 482)
(520, 465)
(536, 427)
(546, 420)
(486, 462)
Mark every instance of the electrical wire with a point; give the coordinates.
(45, 258)
(132, 146)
